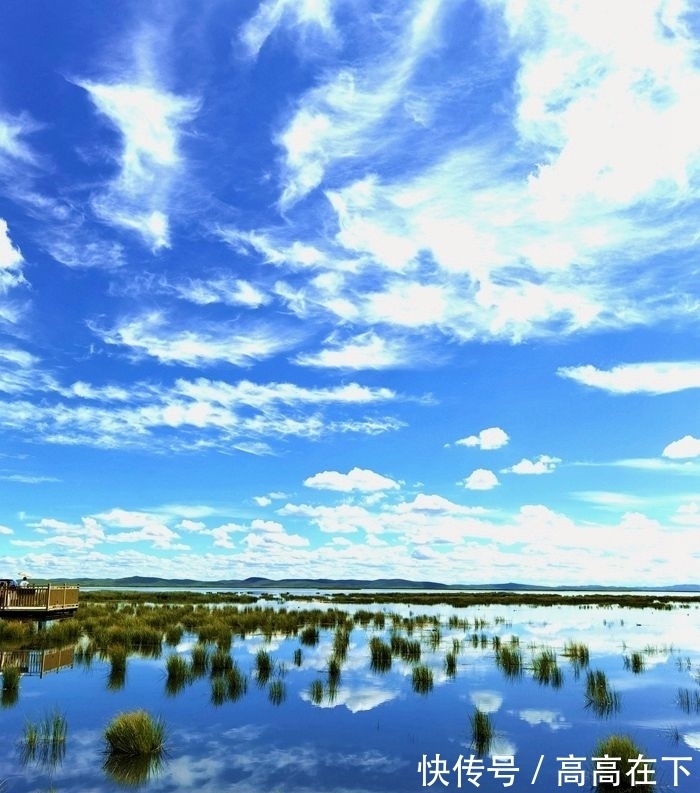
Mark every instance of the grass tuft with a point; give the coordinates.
(622, 750)
(482, 731)
(135, 734)
(422, 679)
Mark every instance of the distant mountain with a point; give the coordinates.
(258, 582)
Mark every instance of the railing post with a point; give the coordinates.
(48, 596)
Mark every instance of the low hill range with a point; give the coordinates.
(257, 582)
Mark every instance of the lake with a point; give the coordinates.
(354, 726)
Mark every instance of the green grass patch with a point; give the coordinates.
(135, 734)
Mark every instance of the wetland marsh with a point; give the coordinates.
(350, 691)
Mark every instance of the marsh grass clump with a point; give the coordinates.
(408, 650)
(578, 655)
(135, 734)
(545, 669)
(264, 666)
(509, 660)
(178, 674)
(380, 655)
(298, 657)
(218, 690)
(44, 742)
(220, 662)
(10, 686)
(635, 662)
(316, 692)
(334, 672)
(117, 668)
(277, 692)
(173, 635)
(451, 663)
(236, 683)
(599, 697)
(309, 636)
(689, 700)
(199, 660)
(10, 679)
(341, 642)
(482, 731)
(422, 679)
(618, 752)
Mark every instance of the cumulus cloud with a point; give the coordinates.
(687, 446)
(481, 479)
(544, 464)
(360, 479)
(660, 377)
(490, 438)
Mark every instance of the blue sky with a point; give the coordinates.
(316, 288)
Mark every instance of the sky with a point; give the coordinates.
(343, 288)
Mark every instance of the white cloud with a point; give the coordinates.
(338, 120)
(490, 438)
(11, 275)
(660, 377)
(544, 464)
(221, 288)
(150, 120)
(360, 479)
(5, 530)
(195, 415)
(365, 351)
(156, 336)
(687, 446)
(304, 16)
(481, 479)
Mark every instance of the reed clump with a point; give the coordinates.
(545, 669)
(482, 731)
(613, 757)
(599, 696)
(509, 660)
(44, 741)
(277, 692)
(635, 662)
(135, 734)
(179, 674)
(380, 655)
(422, 679)
(264, 666)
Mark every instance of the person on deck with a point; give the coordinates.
(24, 582)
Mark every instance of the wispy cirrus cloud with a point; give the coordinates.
(656, 377)
(193, 415)
(368, 350)
(307, 18)
(337, 121)
(11, 275)
(150, 119)
(155, 335)
(523, 230)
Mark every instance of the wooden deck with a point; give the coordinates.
(39, 602)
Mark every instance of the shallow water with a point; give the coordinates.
(374, 732)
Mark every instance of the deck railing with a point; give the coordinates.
(38, 662)
(51, 597)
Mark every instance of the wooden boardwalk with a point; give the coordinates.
(39, 602)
